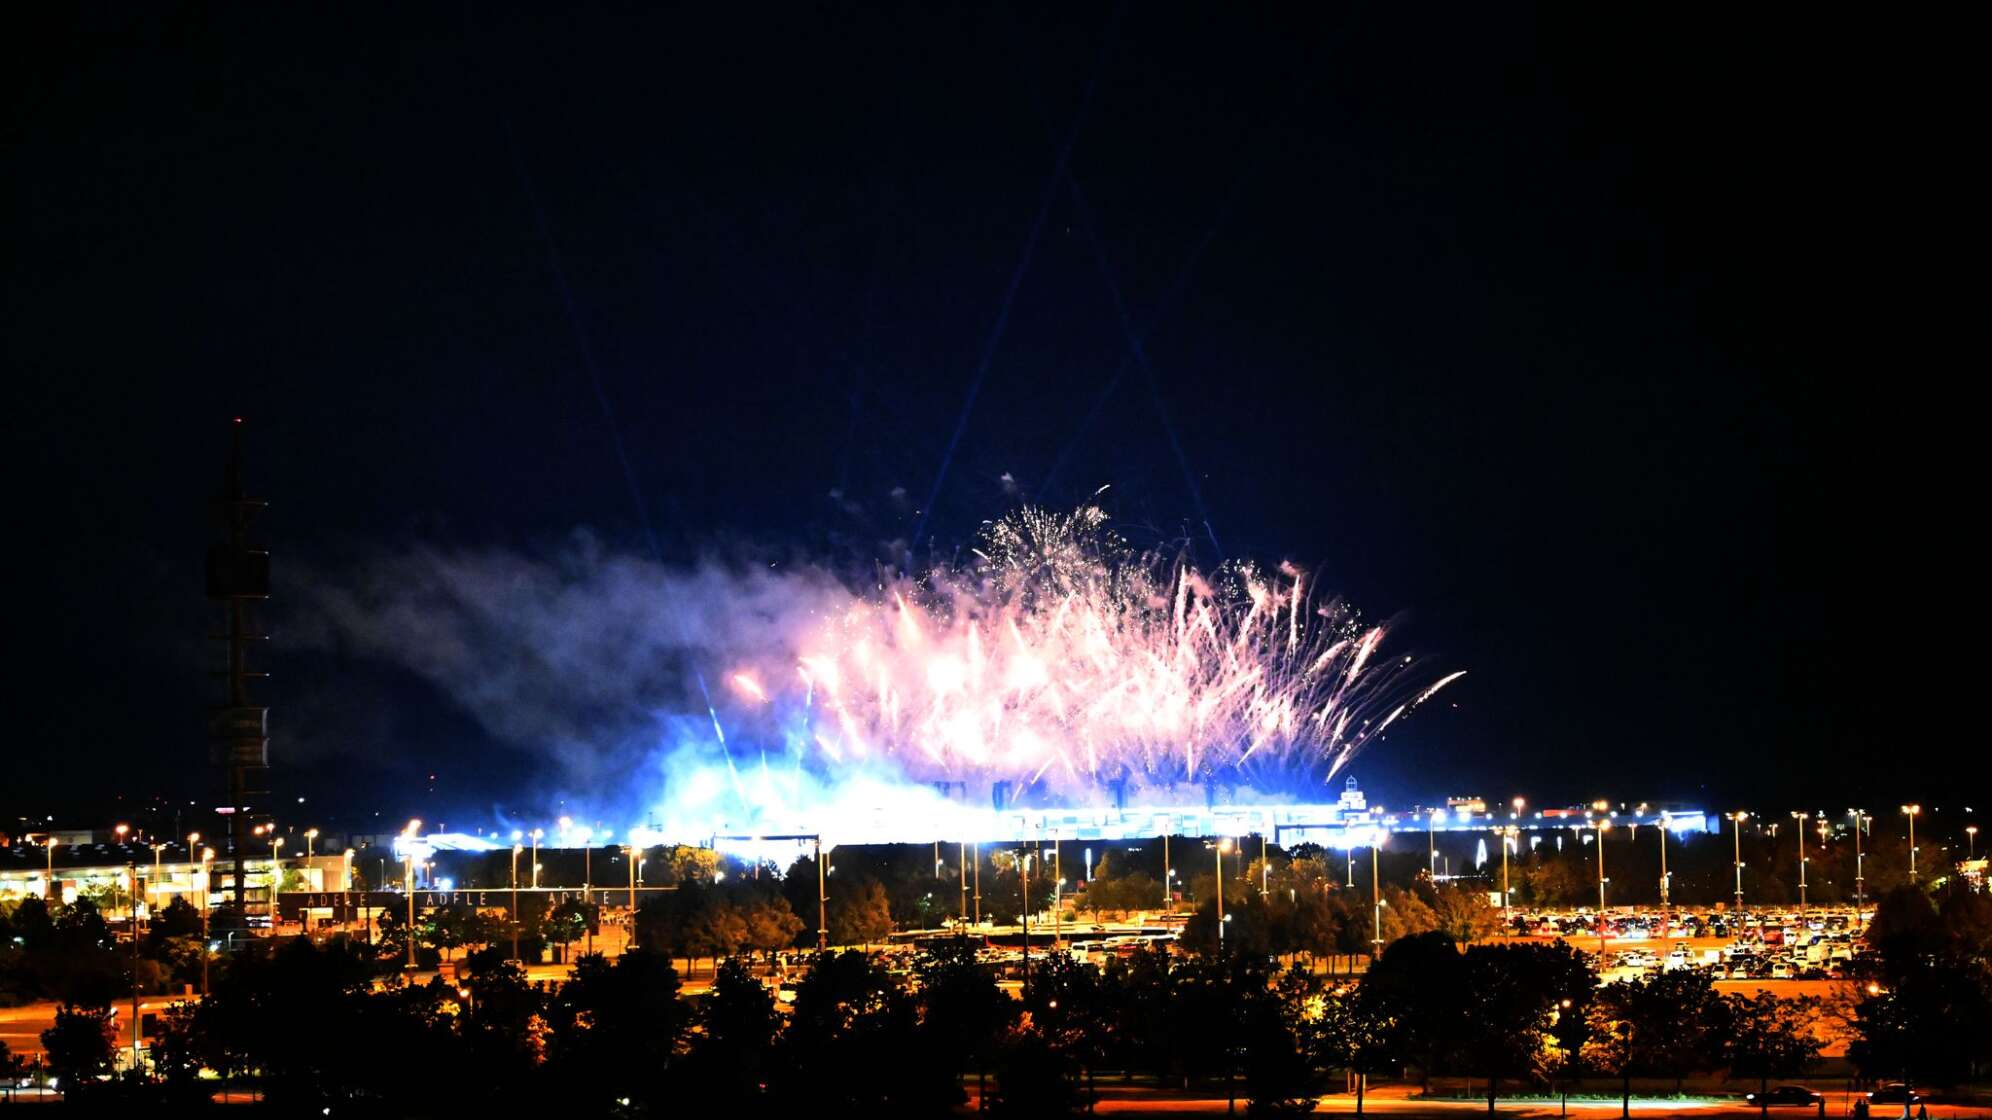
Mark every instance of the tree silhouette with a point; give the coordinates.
(1767, 1037)
(962, 1011)
(737, 1025)
(1358, 1031)
(79, 1046)
(1511, 997)
(860, 914)
(853, 1046)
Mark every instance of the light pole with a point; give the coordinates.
(536, 866)
(1666, 880)
(1222, 846)
(1604, 826)
(132, 870)
(207, 871)
(1860, 864)
(1376, 901)
(1024, 911)
(1432, 846)
(1970, 842)
(1801, 818)
(152, 888)
(131, 915)
(408, 883)
(1912, 811)
(961, 915)
(975, 849)
(1507, 900)
(823, 899)
(1166, 899)
(310, 834)
(1736, 820)
(515, 898)
(48, 879)
(194, 838)
(1265, 868)
(1057, 893)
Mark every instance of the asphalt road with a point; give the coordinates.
(1396, 1101)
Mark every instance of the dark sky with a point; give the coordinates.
(1605, 347)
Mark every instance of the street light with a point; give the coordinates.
(1508, 835)
(1223, 845)
(536, 866)
(1971, 842)
(515, 898)
(1604, 825)
(1736, 820)
(132, 915)
(408, 883)
(1801, 818)
(1431, 845)
(1860, 862)
(1666, 879)
(1376, 898)
(1912, 812)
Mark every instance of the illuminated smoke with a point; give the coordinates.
(1056, 660)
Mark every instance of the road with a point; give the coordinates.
(1396, 1101)
(21, 1027)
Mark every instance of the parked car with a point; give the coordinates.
(1895, 1093)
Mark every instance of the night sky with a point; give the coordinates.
(1604, 350)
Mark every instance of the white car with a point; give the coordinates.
(1781, 971)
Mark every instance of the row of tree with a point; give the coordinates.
(315, 1031)
(316, 1027)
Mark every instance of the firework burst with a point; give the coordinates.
(1061, 660)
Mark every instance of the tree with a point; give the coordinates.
(11, 1066)
(771, 925)
(1033, 1077)
(737, 1024)
(1545, 878)
(1512, 997)
(1358, 1030)
(1905, 932)
(860, 915)
(177, 918)
(962, 1011)
(1277, 1047)
(1668, 1024)
(1929, 1025)
(176, 1057)
(615, 1028)
(1464, 914)
(1422, 977)
(566, 923)
(1405, 914)
(1768, 1037)
(853, 1046)
(446, 928)
(79, 1046)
